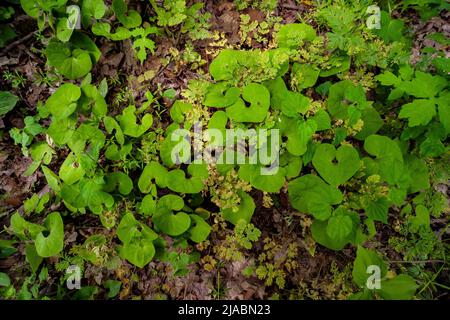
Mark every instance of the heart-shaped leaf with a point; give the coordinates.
(258, 97)
(347, 165)
(168, 222)
(53, 243)
(311, 195)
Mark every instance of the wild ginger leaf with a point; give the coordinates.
(244, 211)
(364, 259)
(310, 194)
(401, 287)
(129, 18)
(51, 245)
(200, 230)
(292, 35)
(128, 122)
(338, 171)
(259, 99)
(63, 102)
(71, 171)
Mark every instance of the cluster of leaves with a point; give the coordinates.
(340, 158)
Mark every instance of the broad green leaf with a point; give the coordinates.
(5, 281)
(118, 180)
(389, 159)
(128, 122)
(139, 253)
(259, 99)
(129, 18)
(53, 243)
(336, 166)
(199, 230)
(419, 112)
(32, 257)
(310, 194)
(306, 75)
(364, 259)
(152, 171)
(244, 211)
(24, 229)
(168, 222)
(421, 219)
(292, 35)
(71, 64)
(401, 287)
(7, 102)
(92, 9)
(71, 171)
(339, 226)
(270, 181)
(63, 102)
(377, 210)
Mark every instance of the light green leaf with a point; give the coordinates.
(53, 243)
(364, 259)
(336, 166)
(419, 112)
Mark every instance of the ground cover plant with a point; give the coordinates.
(351, 202)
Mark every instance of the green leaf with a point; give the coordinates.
(244, 211)
(4, 280)
(320, 235)
(377, 210)
(444, 110)
(139, 253)
(128, 122)
(343, 95)
(71, 171)
(271, 181)
(389, 159)
(51, 245)
(129, 18)
(220, 95)
(298, 133)
(178, 110)
(92, 9)
(7, 102)
(424, 85)
(419, 112)
(336, 172)
(52, 179)
(63, 102)
(32, 257)
(339, 226)
(292, 35)
(24, 229)
(306, 75)
(152, 171)
(113, 286)
(310, 194)
(401, 287)
(421, 219)
(199, 230)
(364, 259)
(168, 222)
(118, 180)
(71, 64)
(259, 99)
